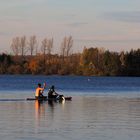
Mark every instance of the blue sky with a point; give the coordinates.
(112, 24)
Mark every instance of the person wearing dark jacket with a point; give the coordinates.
(52, 94)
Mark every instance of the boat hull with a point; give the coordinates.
(49, 99)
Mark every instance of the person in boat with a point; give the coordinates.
(39, 91)
(53, 95)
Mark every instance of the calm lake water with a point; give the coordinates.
(102, 108)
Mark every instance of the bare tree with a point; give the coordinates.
(69, 45)
(63, 46)
(32, 44)
(66, 46)
(36, 49)
(15, 46)
(47, 45)
(23, 46)
(50, 46)
(44, 46)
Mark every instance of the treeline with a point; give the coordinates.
(22, 46)
(27, 59)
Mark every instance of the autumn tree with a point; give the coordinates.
(5, 61)
(34, 66)
(111, 63)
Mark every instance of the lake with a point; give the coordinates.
(102, 108)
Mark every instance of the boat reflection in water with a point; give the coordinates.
(46, 112)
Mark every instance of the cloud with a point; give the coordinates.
(124, 16)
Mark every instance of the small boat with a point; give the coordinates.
(45, 98)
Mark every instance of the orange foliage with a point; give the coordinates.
(34, 66)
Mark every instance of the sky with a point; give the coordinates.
(111, 24)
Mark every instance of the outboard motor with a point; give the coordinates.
(61, 97)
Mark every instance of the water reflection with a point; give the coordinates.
(46, 113)
(53, 107)
(102, 118)
(39, 109)
(51, 103)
